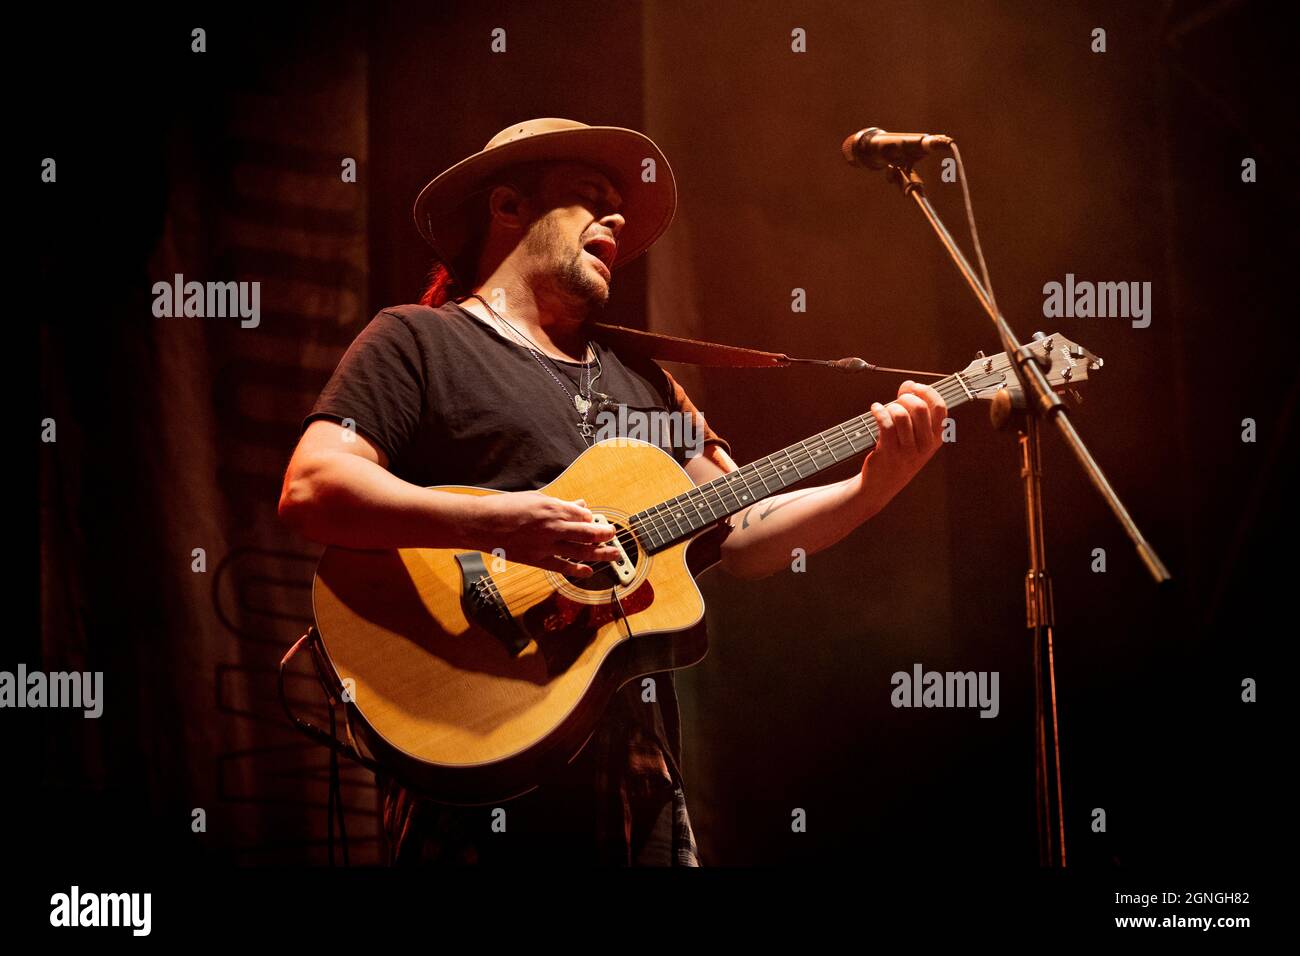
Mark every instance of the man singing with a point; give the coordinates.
(497, 380)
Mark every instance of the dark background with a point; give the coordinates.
(1124, 166)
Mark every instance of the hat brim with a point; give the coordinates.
(444, 209)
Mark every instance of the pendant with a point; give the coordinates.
(581, 403)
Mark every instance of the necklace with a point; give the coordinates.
(582, 401)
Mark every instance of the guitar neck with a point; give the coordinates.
(678, 518)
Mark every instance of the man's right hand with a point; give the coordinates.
(533, 528)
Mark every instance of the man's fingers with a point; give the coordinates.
(564, 567)
(930, 395)
(585, 531)
(888, 419)
(885, 420)
(918, 414)
(574, 551)
(938, 408)
(902, 425)
(575, 510)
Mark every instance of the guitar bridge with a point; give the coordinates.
(484, 606)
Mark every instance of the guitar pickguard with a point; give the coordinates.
(563, 627)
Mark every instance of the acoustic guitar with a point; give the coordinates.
(473, 677)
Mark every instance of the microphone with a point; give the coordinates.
(875, 149)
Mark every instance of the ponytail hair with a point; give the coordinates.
(442, 287)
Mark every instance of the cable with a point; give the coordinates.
(336, 796)
(974, 233)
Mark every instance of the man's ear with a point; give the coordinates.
(509, 206)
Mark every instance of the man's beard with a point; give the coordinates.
(569, 278)
(575, 279)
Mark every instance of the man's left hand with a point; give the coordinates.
(910, 427)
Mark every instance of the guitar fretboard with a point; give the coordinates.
(680, 517)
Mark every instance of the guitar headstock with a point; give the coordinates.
(1065, 363)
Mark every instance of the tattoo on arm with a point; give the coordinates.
(775, 505)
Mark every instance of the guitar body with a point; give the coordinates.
(472, 708)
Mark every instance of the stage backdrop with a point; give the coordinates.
(1122, 165)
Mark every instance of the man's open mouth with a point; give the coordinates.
(603, 249)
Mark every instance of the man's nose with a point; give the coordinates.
(614, 222)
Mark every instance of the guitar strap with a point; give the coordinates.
(674, 348)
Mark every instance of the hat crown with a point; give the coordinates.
(447, 220)
(532, 127)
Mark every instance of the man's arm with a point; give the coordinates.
(764, 535)
(338, 490)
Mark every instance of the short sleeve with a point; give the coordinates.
(379, 385)
(702, 434)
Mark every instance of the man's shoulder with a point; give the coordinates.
(412, 325)
(420, 316)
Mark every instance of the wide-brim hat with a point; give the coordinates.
(445, 212)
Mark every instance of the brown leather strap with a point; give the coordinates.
(673, 348)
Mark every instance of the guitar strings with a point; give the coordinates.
(527, 583)
(657, 520)
(660, 525)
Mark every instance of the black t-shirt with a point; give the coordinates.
(453, 402)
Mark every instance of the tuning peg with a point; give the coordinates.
(1074, 394)
(979, 354)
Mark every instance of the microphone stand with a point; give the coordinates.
(1041, 403)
